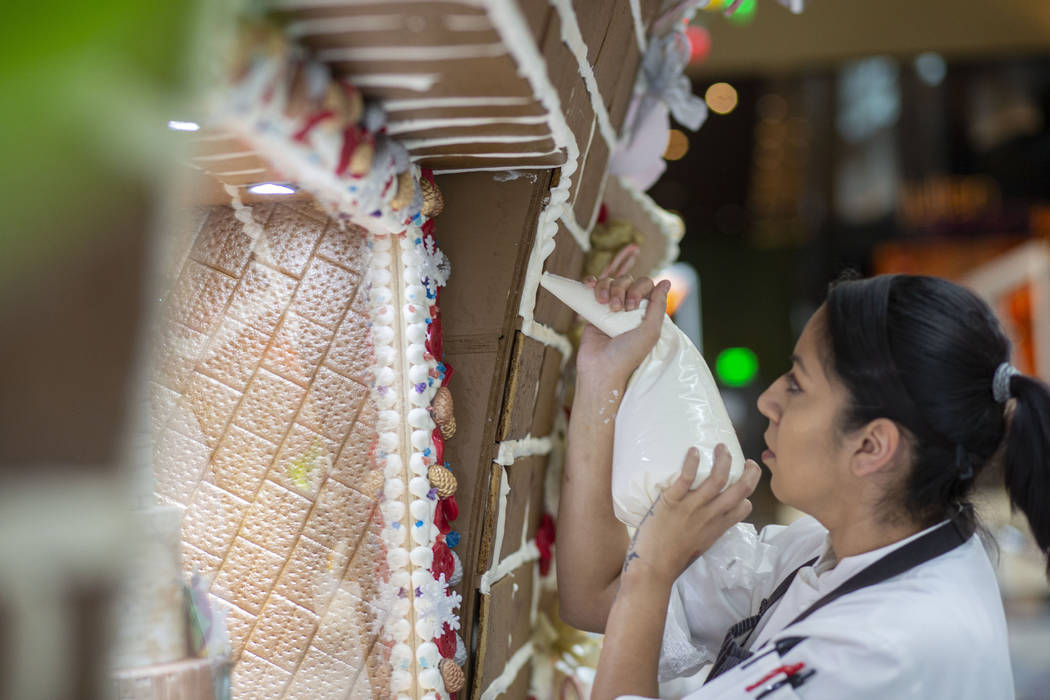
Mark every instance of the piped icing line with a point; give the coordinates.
(528, 446)
(537, 154)
(410, 125)
(413, 144)
(543, 333)
(466, 23)
(344, 25)
(495, 168)
(501, 518)
(568, 218)
(528, 552)
(406, 104)
(417, 82)
(639, 27)
(670, 225)
(501, 683)
(411, 53)
(573, 39)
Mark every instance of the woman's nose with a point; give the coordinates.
(768, 405)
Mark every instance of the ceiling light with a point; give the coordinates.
(176, 125)
(271, 188)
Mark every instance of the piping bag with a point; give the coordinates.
(671, 403)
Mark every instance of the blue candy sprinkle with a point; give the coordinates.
(419, 523)
(452, 538)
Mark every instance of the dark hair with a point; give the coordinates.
(922, 352)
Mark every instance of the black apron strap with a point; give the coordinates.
(931, 545)
(734, 645)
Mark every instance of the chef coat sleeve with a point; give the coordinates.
(727, 584)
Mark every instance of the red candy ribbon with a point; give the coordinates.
(544, 541)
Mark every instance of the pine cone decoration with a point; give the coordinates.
(433, 201)
(452, 675)
(443, 480)
(441, 408)
(448, 430)
(406, 188)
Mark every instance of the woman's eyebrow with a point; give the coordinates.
(795, 359)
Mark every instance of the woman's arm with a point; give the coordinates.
(591, 541)
(679, 527)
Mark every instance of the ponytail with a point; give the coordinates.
(1026, 458)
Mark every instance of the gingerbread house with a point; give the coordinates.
(358, 387)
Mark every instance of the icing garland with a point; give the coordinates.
(407, 275)
(318, 130)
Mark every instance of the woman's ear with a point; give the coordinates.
(876, 447)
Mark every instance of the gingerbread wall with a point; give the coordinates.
(262, 434)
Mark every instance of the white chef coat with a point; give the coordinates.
(934, 632)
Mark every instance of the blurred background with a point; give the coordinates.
(883, 136)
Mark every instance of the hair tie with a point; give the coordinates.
(1001, 381)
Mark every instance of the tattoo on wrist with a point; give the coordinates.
(631, 553)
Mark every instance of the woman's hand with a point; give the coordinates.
(616, 358)
(683, 523)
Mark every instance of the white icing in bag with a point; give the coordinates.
(671, 404)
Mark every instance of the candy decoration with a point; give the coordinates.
(444, 563)
(440, 521)
(439, 446)
(443, 479)
(446, 643)
(452, 675)
(544, 542)
(449, 507)
(452, 538)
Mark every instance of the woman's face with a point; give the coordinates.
(805, 456)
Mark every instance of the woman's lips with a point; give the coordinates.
(768, 455)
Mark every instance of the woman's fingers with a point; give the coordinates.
(618, 291)
(639, 289)
(738, 492)
(601, 289)
(684, 483)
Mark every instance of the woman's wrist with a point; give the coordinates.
(639, 572)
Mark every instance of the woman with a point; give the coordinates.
(900, 392)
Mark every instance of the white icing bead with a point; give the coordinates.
(400, 630)
(391, 472)
(418, 374)
(430, 678)
(381, 244)
(385, 354)
(419, 486)
(392, 510)
(420, 577)
(388, 420)
(385, 315)
(415, 313)
(416, 333)
(408, 256)
(402, 606)
(415, 353)
(416, 294)
(381, 295)
(428, 655)
(420, 418)
(422, 535)
(419, 399)
(401, 579)
(461, 651)
(386, 400)
(425, 628)
(400, 680)
(394, 459)
(398, 558)
(422, 510)
(423, 557)
(457, 570)
(381, 277)
(393, 489)
(401, 655)
(421, 439)
(388, 441)
(417, 464)
(383, 335)
(382, 259)
(385, 376)
(394, 536)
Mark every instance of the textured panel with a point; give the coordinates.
(264, 434)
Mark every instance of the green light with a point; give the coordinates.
(744, 13)
(736, 367)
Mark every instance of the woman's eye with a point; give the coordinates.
(793, 387)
